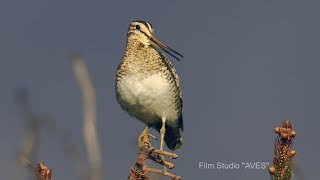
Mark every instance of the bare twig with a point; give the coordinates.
(165, 153)
(89, 122)
(165, 173)
(283, 154)
(140, 170)
(43, 172)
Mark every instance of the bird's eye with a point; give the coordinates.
(138, 27)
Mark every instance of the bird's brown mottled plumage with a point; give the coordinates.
(141, 62)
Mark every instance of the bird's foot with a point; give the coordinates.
(140, 170)
(145, 133)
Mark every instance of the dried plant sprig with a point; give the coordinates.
(43, 172)
(89, 122)
(140, 170)
(283, 154)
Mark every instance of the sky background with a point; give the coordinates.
(248, 66)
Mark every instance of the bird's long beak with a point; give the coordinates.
(165, 48)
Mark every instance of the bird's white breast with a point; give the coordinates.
(148, 99)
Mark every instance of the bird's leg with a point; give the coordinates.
(162, 133)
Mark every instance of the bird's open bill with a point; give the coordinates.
(165, 48)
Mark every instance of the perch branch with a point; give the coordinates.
(140, 170)
(162, 172)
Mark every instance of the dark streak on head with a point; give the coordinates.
(148, 25)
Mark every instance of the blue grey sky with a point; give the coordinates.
(248, 66)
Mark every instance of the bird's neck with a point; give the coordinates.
(137, 48)
(136, 42)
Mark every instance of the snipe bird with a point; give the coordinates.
(147, 85)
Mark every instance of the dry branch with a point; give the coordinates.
(89, 122)
(140, 170)
(43, 172)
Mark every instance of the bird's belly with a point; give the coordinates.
(148, 99)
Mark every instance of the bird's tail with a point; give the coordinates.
(173, 137)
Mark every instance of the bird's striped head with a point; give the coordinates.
(142, 32)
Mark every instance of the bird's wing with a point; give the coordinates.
(175, 76)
